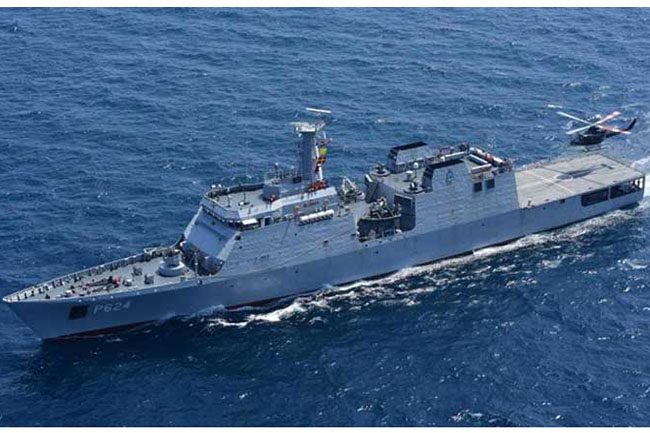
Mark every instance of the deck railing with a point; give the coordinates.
(147, 255)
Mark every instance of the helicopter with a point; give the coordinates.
(596, 130)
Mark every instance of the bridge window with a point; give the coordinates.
(592, 198)
(478, 187)
(489, 184)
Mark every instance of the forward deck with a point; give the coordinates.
(128, 274)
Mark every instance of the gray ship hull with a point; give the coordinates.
(348, 261)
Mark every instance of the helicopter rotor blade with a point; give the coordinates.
(617, 130)
(577, 119)
(318, 110)
(598, 123)
(609, 117)
(582, 128)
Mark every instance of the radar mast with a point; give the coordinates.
(312, 149)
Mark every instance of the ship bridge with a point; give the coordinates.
(223, 216)
(247, 208)
(284, 193)
(302, 194)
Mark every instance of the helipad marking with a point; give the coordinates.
(551, 182)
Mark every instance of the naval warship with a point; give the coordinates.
(296, 231)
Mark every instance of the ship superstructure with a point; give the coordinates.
(296, 232)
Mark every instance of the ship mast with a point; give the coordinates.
(310, 155)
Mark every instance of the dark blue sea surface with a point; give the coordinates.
(113, 122)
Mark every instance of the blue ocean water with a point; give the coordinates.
(113, 122)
